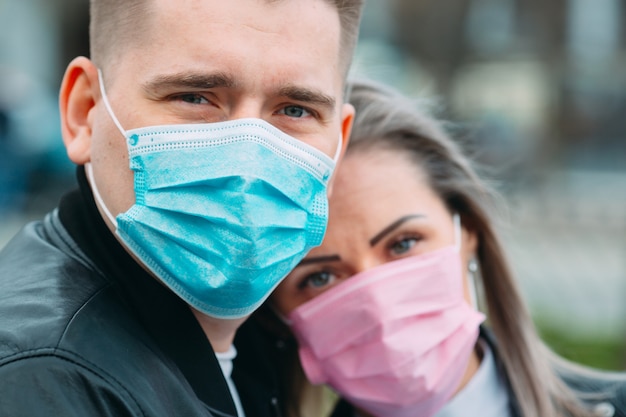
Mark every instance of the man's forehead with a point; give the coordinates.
(243, 8)
(212, 36)
(282, 21)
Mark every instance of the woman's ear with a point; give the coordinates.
(469, 244)
(77, 98)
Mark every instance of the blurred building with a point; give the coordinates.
(37, 39)
(545, 77)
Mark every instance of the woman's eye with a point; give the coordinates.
(295, 111)
(402, 246)
(319, 279)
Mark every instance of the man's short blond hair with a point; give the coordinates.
(114, 23)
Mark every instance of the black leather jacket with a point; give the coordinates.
(85, 331)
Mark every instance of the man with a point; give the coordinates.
(205, 132)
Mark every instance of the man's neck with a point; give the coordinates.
(219, 332)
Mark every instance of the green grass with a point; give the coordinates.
(603, 353)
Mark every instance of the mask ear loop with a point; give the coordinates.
(107, 105)
(472, 267)
(89, 168)
(338, 151)
(279, 315)
(96, 193)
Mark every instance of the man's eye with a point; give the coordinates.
(319, 279)
(193, 99)
(295, 111)
(402, 246)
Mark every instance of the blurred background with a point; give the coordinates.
(536, 89)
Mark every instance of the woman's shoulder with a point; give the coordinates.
(606, 390)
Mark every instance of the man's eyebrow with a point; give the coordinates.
(195, 81)
(192, 81)
(316, 259)
(392, 227)
(307, 95)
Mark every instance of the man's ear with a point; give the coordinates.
(77, 99)
(347, 119)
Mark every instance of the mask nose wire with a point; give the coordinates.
(107, 105)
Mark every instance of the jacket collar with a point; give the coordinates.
(165, 316)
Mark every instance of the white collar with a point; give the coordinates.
(226, 363)
(226, 360)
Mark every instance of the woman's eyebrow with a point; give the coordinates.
(392, 227)
(323, 258)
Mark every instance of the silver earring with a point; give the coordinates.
(472, 266)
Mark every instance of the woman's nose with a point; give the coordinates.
(364, 263)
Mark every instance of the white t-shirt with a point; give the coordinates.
(226, 363)
(484, 395)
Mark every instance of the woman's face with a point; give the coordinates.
(382, 209)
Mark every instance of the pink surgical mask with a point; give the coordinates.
(394, 340)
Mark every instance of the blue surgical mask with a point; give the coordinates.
(223, 211)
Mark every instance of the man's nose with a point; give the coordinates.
(246, 108)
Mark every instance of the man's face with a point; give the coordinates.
(215, 60)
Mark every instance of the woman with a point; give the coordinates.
(385, 312)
